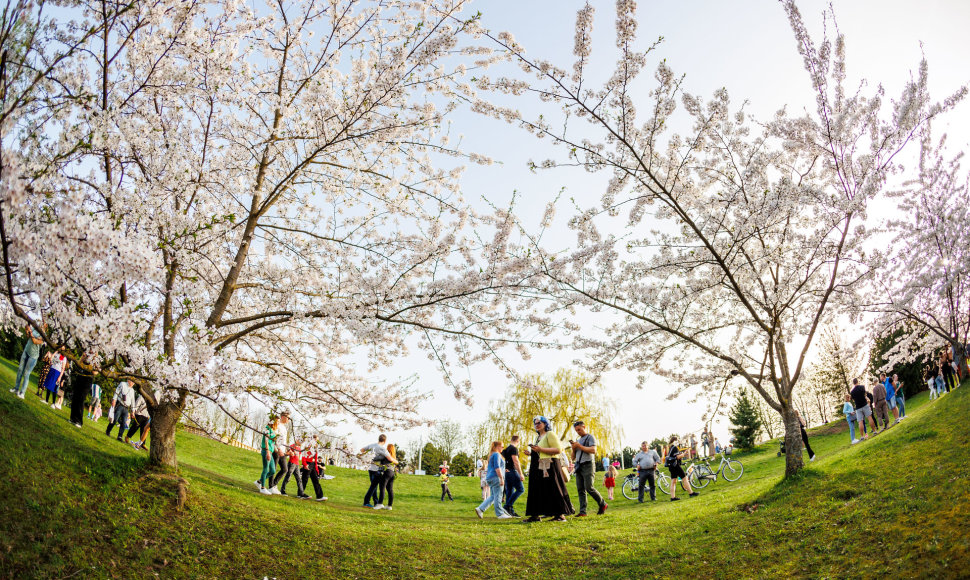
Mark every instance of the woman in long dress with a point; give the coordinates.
(547, 487)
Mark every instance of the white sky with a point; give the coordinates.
(747, 48)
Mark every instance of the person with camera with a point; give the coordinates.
(583, 451)
(547, 484)
(673, 463)
(646, 461)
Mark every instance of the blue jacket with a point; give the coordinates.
(890, 391)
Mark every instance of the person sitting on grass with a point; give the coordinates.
(266, 448)
(674, 458)
(444, 486)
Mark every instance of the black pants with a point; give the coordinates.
(648, 475)
(51, 396)
(805, 441)
(79, 392)
(445, 490)
(139, 424)
(387, 483)
(584, 485)
(375, 481)
(310, 473)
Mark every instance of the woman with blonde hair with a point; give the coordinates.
(387, 480)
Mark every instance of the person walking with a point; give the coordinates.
(141, 419)
(495, 477)
(387, 484)
(28, 359)
(55, 374)
(294, 459)
(95, 400)
(692, 440)
(609, 481)
(707, 442)
(583, 451)
(849, 411)
(862, 409)
(80, 386)
(374, 470)
(481, 465)
(646, 462)
(444, 486)
(311, 469)
(266, 448)
(946, 367)
(120, 405)
(674, 458)
(282, 453)
(547, 485)
(900, 397)
(513, 476)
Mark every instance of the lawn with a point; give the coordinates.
(79, 504)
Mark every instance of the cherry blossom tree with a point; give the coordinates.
(264, 203)
(725, 247)
(925, 285)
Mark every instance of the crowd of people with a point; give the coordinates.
(283, 459)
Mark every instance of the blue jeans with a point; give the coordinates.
(513, 489)
(23, 372)
(495, 497)
(850, 418)
(901, 404)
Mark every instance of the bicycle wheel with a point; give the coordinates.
(663, 482)
(733, 470)
(630, 489)
(701, 476)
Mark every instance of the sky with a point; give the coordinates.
(747, 48)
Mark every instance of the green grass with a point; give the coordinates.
(78, 504)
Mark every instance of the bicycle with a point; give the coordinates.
(631, 484)
(701, 474)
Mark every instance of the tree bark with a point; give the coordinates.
(164, 421)
(793, 440)
(960, 357)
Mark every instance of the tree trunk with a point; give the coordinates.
(165, 419)
(793, 440)
(960, 357)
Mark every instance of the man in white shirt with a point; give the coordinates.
(374, 470)
(142, 418)
(121, 405)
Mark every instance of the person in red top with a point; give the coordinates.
(311, 468)
(293, 468)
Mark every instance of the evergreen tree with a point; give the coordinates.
(746, 422)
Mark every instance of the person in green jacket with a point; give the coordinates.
(266, 451)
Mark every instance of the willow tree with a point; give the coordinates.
(562, 398)
(724, 248)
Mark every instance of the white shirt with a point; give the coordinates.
(282, 434)
(124, 394)
(141, 406)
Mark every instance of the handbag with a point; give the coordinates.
(562, 465)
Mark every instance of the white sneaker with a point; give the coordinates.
(324, 498)
(379, 506)
(13, 390)
(265, 491)
(479, 513)
(21, 395)
(258, 486)
(854, 441)
(506, 517)
(811, 459)
(388, 508)
(273, 490)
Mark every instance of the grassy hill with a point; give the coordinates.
(78, 504)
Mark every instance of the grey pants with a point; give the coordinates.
(584, 485)
(294, 470)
